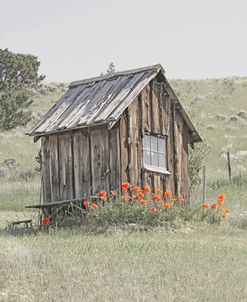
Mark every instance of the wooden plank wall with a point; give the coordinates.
(151, 111)
(79, 163)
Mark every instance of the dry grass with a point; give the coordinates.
(199, 263)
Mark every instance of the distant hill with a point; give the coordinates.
(217, 107)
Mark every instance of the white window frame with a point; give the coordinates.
(152, 149)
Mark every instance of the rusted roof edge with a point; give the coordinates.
(115, 74)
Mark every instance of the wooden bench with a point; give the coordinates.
(27, 223)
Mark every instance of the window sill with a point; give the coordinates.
(157, 169)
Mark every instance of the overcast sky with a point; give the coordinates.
(76, 39)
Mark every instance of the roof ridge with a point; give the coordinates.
(115, 74)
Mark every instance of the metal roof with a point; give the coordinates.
(95, 101)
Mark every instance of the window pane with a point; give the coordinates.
(147, 141)
(162, 161)
(154, 159)
(154, 143)
(161, 145)
(147, 157)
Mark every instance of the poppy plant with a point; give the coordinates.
(147, 189)
(155, 197)
(125, 185)
(205, 205)
(168, 194)
(136, 189)
(167, 205)
(180, 198)
(141, 194)
(161, 202)
(153, 209)
(46, 221)
(94, 206)
(223, 216)
(86, 203)
(159, 191)
(143, 201)
(135, 197)
(221, 196)
(103, 198)
(213, 206)
(221, 202)
(173, 200)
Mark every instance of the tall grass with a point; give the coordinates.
(199, 264)
(14, 196)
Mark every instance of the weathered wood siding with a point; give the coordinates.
(81, 162)
(155, 112)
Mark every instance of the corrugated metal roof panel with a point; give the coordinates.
(99, 100)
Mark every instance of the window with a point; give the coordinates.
(154, 152)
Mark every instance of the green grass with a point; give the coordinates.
(197, 263)
(193, 262)
(14, 196)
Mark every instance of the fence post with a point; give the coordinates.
(203, 183)
(229, 166)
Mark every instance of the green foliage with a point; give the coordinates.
(18, 73)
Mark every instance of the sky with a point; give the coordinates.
(76, 39)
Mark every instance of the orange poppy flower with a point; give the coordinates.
(168, 194)
(147, 189)
(86, 203)
(143, 201)
(155, 197)
(221, 196)
(159, 191)
(161, 202)
(221, 202)
(153, 209)
(137, 189)
(226, 210)
(213, 206)
(141, 194)
(125, 185)
(223, 216)
(173, 200)
(135, 197)
(205, 205)
(46, 221)
(94, 206)
(103, 198)
(167, 205)
(180, 198)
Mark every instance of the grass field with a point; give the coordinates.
(194, 262)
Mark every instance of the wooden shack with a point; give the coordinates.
(125, 126)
